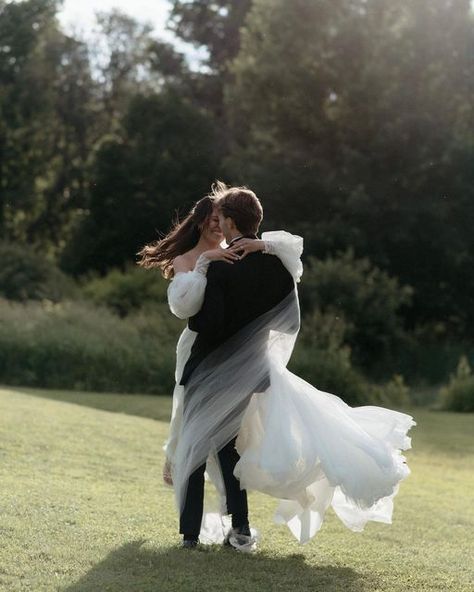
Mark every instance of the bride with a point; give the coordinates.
(354, 453)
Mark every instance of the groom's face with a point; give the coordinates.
(225, 225)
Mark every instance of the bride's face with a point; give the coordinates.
(212, 230)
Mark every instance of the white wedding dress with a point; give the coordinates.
(303, 446)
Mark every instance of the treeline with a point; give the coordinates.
(351, 119)
(115, 332)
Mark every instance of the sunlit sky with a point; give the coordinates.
(78, 15)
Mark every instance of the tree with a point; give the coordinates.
(162, 159)
(216, 26)
(365, 298)
(47, 124)
(122, 51)
(351, 119)
(23, 105)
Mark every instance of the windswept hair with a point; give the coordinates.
(183, 236)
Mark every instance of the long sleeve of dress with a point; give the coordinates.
(186, 289)
(288, 248)
(185, 298)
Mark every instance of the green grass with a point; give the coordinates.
(83, 509)
(151, 406)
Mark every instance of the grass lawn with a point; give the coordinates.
(83, 509)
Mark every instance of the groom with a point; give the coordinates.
(235, 295)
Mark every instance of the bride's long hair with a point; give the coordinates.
(183, 236)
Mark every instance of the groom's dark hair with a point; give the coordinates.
(242, 205)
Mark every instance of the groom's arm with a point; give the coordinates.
(210, 319)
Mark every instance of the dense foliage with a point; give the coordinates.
(351, 119)
(74, 345)
(458, 394)
(27, 275)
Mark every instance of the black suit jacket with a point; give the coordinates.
(235, 295)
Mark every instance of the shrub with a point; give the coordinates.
(126, 291)
(80, 346)
(393, 393)
(27, 275)
(321, 358)
(368, 298)
(458, 395)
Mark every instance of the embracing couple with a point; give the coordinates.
(239, 416)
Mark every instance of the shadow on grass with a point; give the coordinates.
(135, 566)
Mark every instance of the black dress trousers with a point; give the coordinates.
(236, 498)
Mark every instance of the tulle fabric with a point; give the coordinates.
(303, 446)
(219, 390)
(288, 248)
(185, 297)
(312, 450)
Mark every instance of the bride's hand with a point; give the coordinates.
(221, 254)
(167, 478)
(247, 245)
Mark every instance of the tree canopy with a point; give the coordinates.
(351, 119)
